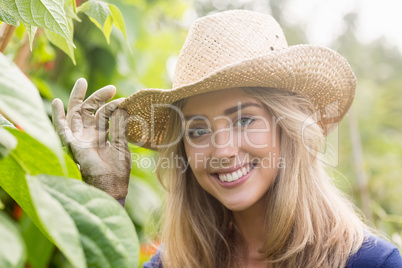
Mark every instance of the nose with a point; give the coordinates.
(223, 144)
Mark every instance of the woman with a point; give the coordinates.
(247, 118)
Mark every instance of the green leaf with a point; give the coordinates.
(71, 9)
(31, 157)
(5, 123)
(37, 158)
(7, 18)
(31, 30)
(1, 205)
(72, 168)
(21, 103)
(107, 28)
(12, 248)
(98, 11)
(39, 248)
(7, 143)
(7, 140)
(61, 43)
(107, 234)
(47, 14)
(118, 20)
(58, 225)
(104, 16)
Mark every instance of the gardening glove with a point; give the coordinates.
(104, 164)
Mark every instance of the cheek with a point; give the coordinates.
(260, 139)
(196, 159)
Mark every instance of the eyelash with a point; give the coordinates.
(249, 119)
(192, 132)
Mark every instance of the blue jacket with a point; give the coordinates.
(374, 253)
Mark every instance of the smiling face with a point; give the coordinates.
(232, 146)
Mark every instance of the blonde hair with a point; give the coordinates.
(309, 222)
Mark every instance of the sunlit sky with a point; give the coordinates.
(324, 19)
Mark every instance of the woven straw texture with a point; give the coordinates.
(241, 48)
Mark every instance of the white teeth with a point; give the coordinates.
(244, 171)
(228, 177)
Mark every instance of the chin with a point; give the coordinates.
(237, 205)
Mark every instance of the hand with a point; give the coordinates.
(103, 164)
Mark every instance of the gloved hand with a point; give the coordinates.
(103, 164)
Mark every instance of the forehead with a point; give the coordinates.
(216, 101)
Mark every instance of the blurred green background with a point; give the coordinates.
(366, 148)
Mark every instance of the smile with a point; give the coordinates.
(235, 175)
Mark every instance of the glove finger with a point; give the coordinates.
(77, 96)
(60, 123)
(96, 100)
(103, 115)
(118, 123)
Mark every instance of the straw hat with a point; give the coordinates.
(240, 48)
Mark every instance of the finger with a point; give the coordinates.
(96, 100)
(59, 121)
(77, 96)
(118, 123)
(103, 115)
(74, 120)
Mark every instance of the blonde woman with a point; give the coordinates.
(242, 130)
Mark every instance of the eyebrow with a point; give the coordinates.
(228, 111)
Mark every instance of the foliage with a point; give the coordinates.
(86, 224)
(56, 18)
(64, 222)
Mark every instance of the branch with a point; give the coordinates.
(6, 32)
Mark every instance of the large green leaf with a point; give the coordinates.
(61, 43)
(118, 20)
(39, 248)
(12, 248)
(21, 103)
(70, 7)
(97, 10)
(31, 157)
(7, 18)
(7, 143)
(37, 158)
(47, 14)
(104, 16)
(107, 234)
(7, 140)
(31, 31)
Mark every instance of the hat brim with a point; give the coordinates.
(318, 73)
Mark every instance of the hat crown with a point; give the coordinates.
(225, 38)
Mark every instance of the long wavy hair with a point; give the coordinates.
(309, 222)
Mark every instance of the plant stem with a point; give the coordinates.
(6, 32)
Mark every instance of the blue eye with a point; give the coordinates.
(244, 121)
(197, 132)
